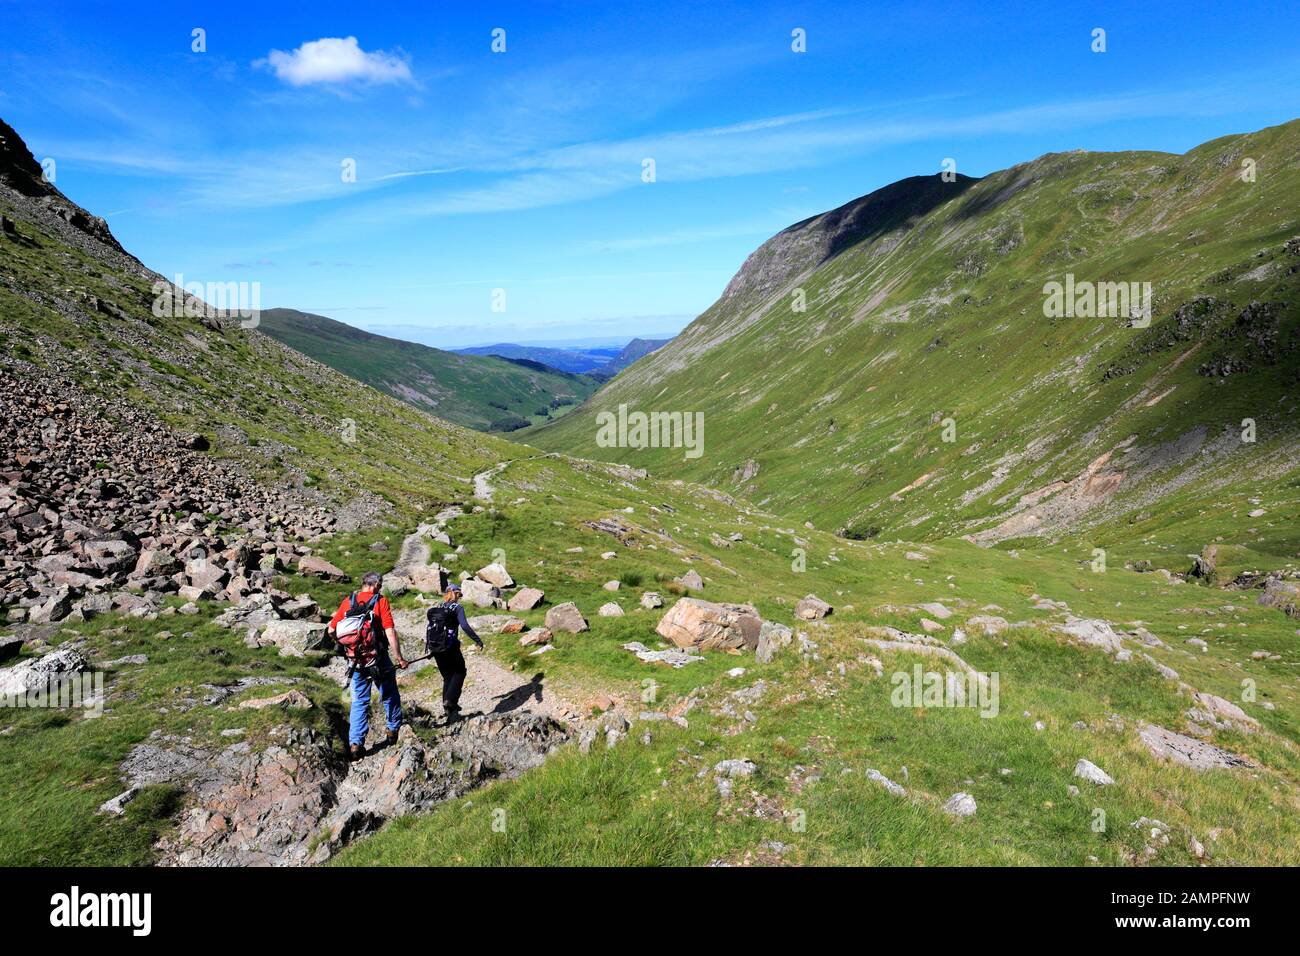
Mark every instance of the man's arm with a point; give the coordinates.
(395, 646)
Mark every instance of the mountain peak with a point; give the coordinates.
(811, 242)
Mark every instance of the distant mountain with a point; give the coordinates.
(479, 391)
(636, 349)
(1085, 343)
(576, 360)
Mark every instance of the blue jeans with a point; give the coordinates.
(359, 724)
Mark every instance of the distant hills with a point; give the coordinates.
(483, 392)
(601, 362)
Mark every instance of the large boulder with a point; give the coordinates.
(320, 568)
(1188, 751)
(496, 624)
(428, 578)
(812, 608)
(294, 638)
(566, 617)
(480, 593)
(255, 611)
(771, 638)
(525, 599)
(692, 580)
(1283, 595)
(36, 675)
(651, 600)
(693, 622)
(54, 608)
(496, 575)
(205, 574)
(110, 555)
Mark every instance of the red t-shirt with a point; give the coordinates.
(382, 610)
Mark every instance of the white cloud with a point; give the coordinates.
(334, 61)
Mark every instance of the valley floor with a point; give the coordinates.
(813, 758)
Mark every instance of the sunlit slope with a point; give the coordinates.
(931, 325)
(477, 391)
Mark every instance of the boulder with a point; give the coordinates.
(673, 657)
(1087, 770)
(771, 638)
(610, 610)
(1283, 595)
(811, 608)
(294, 638)
(318, 567)
(566, 617)
(36, 675)
(610, 585)
(1205, 564)
(691, 579)
(1223, 709)
(480, 593)
(525, 599)
(651, 600)
(496, 575)
(987, 624)
(428, 578)
(960, 805)
(1187, 751)
(301, 608)
(206, 574)
(54, 608)
(155, 562)
(1092, 632)
(290, 700)
(693, 622)
(496, 624)
(536, 638)
(254, 611)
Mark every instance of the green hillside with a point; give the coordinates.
(485, 392)
(924, 392)
(924, 303)
(77, 309)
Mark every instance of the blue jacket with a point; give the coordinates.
(461, 623)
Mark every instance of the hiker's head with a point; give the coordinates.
(453, 593)
(372, 581)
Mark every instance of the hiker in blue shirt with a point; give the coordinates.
(441, 638)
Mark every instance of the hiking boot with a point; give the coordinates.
(391, 738)
(450, 714)
(355, 752)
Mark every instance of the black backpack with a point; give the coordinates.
(440, 633)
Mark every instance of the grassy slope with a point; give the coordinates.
(644, 804)
(842, 406)
(293, 410)
(470, 390)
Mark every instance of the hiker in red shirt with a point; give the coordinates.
(363, 617)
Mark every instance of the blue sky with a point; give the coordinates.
(522, 170)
